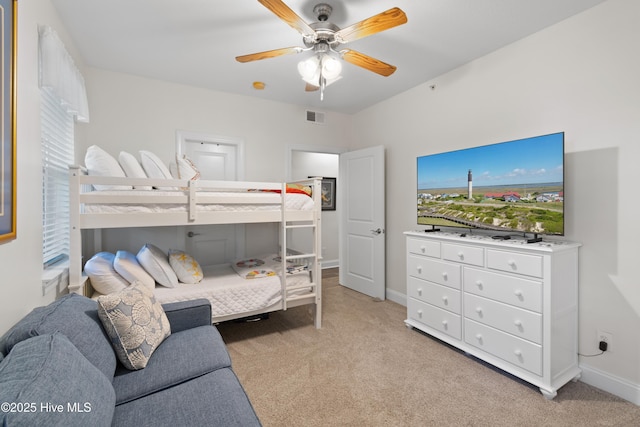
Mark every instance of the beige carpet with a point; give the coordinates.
(365, 368)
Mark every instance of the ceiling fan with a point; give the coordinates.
(325, 38)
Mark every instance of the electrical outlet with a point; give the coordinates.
(606, 337)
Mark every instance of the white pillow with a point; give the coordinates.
(186, 169)
(156, 262)
(132, 168)
(126, 264)
(101, 163)
(155, 168)
(104, 278)
(185, 266)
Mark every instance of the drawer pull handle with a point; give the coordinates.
(518, 323)
(445, 300)
(419, 291)
(419, 268)
(518, 293)
(479, 311)
(518, 354)
(423, 249)
(511, 263)
(461, 255)
(420, 314)
(479, 284)
(444, 275)
(445, 324)
(479, 338)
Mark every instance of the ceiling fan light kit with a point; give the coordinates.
(324, 38)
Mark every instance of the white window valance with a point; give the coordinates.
(59, 74)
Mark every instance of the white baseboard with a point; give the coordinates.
(332, 263)
(611, 384)
(396, 297)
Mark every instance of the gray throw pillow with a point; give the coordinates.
(135, 322)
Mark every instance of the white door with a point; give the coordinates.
(217, 158)
(362, 206)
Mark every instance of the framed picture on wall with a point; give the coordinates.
(8, 122)
(328, 196)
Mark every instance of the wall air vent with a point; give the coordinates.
(315, 117)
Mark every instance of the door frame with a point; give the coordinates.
(182, 136)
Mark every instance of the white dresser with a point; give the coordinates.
(510, 303)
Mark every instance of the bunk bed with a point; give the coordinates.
(102, 202)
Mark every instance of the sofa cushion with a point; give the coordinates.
(214, 399)
(74, 316)
(49, 370)
(135, 322)
(195, 352)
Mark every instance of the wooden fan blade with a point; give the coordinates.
(268, 54)
(311, 88)
(285, 13)
(367, 62)
(380, 22)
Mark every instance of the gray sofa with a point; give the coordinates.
(58, 367)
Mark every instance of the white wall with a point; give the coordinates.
(581, 76)
(131, 113)
(21, 259)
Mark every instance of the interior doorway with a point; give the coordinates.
(307, 161)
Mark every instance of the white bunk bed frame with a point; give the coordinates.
(193, 194)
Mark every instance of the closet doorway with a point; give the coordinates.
(219, 158)
(305, 161)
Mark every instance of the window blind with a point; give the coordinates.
(57, 137)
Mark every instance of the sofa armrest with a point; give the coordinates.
(188, 314)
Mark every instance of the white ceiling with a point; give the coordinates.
(195, 42)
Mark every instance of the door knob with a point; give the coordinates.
(377, 231)
(191, 234)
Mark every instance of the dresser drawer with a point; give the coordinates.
(443, 273)
(516, 351)
(441, 296)
(440, 320)
(464, 254)
(513, 262)
(516, 321)
(424, 247)
(512, 290)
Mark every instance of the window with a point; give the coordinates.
(63, 101)
(57, 154)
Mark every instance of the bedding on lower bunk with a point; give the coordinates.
(242, 287)
(231, 294)
(255, 201)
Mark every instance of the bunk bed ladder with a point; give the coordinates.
(314, 266)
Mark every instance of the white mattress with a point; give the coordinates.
(293, 201)
(229, 293)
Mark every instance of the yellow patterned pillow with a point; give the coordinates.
(135, 322)
(186, 267)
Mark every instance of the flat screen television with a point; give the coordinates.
(514, 186)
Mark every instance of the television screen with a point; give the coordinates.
(515, 186)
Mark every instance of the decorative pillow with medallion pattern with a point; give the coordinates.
(135, 322)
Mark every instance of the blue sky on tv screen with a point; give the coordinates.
(525, 161)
